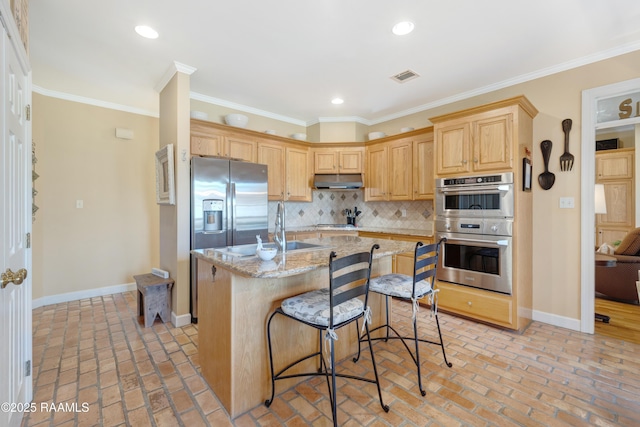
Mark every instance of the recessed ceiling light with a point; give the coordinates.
(402, 28)
(337, 101)
(147, 32)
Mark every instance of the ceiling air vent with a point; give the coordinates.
(405, 76)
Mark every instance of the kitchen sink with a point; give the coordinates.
(250, 250)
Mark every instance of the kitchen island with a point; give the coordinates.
(236, 295)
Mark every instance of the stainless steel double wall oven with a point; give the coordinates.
(475, 214)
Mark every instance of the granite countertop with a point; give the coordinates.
(426, 232)
(294, 262)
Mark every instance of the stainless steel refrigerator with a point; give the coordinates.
(229, 207)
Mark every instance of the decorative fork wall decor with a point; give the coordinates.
(566, 160)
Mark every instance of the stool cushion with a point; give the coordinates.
(399, 285)
(313, 307)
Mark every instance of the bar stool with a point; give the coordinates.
(412, 288)
(327, 310)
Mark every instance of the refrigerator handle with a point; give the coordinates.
(233, 209)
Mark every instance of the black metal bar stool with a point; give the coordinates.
(329, 309)
(412, 288)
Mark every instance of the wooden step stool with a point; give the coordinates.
(154, 297)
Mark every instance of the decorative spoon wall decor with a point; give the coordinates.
(546, 179)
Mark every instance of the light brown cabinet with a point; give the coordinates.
(615, 164)
(298, 174)
(338, 160)
(423, 176)
(207, 140)
(615, 170)
(402, 263)
(484, 139)
(400, 168)
(376, 175)
(289, 174)
(273, 155)
(478, 145)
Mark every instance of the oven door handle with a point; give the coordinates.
(483, 242)
(484, 188)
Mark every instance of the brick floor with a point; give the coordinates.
(96, 352)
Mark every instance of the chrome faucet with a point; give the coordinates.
(279, 235)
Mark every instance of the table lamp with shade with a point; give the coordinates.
(600, 202)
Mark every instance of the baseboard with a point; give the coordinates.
(555, 320)
(181, 320)
(78, 295)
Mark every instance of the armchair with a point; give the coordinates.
(619, 282)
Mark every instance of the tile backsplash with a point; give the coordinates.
(328, 207)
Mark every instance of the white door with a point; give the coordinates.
(15, 218)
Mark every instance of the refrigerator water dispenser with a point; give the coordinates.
(212, 214)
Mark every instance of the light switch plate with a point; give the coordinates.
(567, 203)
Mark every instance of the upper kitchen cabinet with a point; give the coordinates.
(400, 167)
(482, 139)
(273, 155)
(338, 159)
(289, 173)
(423, 176)
(298, 174)
(400, 173)
(209, 139)
(615, 164)
(376, 177)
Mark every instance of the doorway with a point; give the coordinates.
(592, 121)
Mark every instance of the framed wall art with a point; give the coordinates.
(165, 181)
(526, 174)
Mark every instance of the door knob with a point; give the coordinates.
(11, 277)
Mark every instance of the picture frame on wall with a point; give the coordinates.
(165, 180)
(526, 174)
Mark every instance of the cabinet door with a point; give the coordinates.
(616, 164)
(492, 142)
(376, 174)
(452, 149)
(350, 161)
(324, 161)
(301, 235)
(620, 204)
(244, 149)
(610, 235)
(273, 156)
(423, 176)
(298, 176)
(206, 145)
(401, 174)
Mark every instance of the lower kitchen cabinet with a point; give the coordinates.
(402, 263)
(481, 305)
(301, 235)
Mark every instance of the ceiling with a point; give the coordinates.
(288, 58)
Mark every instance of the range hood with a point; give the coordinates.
(338, 181)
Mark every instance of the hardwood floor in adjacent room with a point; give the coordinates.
(624, 323)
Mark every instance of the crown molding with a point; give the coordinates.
(565, 66)
(176, 67)
(246, 109)
(94, 102)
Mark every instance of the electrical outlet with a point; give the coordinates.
(79, 204)
(567, 203)
(403, 212)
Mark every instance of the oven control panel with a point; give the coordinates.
(494, 227)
